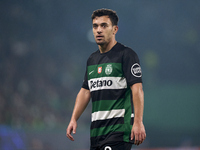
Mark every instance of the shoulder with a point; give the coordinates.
(94, 54)
(92, 57)
(127, 51)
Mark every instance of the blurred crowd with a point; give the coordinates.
(37, 78)
(33, 92)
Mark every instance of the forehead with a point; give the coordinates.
(102, 19)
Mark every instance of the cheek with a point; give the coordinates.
(110, 34)
(94, 33)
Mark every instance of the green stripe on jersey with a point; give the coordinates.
(105, 70)
(106, 105)
(105, 130)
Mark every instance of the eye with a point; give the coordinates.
(104, 25)
(95, 26)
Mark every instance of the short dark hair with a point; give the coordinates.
(106, 12)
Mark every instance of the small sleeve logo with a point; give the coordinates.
(136, 70)
(107, 148)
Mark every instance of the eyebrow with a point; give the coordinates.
(104, 23)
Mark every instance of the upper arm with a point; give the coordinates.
(85, 94)
(137, 89)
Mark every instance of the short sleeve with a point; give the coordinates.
(131, 67)
(85, 81)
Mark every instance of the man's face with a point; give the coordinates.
(103, 30)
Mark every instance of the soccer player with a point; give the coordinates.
(113, 80)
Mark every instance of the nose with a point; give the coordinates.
(99, 30)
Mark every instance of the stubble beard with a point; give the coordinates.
(100, 43)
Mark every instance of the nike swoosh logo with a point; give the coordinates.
(91, 72)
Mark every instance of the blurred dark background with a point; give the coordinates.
(44, 46)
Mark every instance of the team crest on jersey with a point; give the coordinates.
(99, 70)
(136, 70)
(108, 69)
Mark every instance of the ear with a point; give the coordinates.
(115, 29)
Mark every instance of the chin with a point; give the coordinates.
(100, 43)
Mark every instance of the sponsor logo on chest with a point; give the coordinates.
(107, 83)
(100, 83)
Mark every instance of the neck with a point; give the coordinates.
(107, 47)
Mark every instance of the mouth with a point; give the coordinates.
(98, 37)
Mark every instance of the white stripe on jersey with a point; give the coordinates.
(107, 83)
(102, 115)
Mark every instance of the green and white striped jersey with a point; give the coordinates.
(109, 77)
